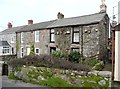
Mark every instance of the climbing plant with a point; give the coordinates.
(32, 48)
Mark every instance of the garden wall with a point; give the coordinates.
(77, 78)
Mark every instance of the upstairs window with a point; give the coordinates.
(36, 36)
(52, 36)
(12, 38)
(76, 35)
(21, 37)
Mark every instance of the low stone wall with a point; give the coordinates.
(73, 77)
(7, 57)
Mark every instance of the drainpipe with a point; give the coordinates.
(113, 52)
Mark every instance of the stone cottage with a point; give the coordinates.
(9, 36)
(87, 34)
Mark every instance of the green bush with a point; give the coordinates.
(90, 62)
(47, 61)
(59, 54)
(74, 56)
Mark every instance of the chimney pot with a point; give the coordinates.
(30, 22)
(60, 15)
(9, 25)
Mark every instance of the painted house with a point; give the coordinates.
(5, 48)
(116, 53)
(9, 35)
(87, 34)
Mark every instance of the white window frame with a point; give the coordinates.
(12, 38)
(36, 51)
(76, 35)
(21, 35)
(37, 36)
(22, 52)
(6, 50)
(52, 35)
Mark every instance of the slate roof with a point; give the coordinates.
(12, 30)
(41, 25)
(4, 43)
(80, 20)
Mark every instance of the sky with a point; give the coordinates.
(18, 12)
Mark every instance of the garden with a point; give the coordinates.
(59, 70)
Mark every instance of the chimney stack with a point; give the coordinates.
(60, 15)
(9, 25)
(30, 22)
(103, 7)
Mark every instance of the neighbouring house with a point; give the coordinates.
(8, 35)
(87, 34)
(5, 48)
(116, 53)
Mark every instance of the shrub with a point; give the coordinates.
(90, 62)
(47, 61)
(59, 54)
(74, 56)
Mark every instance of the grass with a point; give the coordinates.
(12, 76)
(33, 74)
(55, 82)
(95, 84)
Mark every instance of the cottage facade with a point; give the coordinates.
(87, 34)
(9, 35)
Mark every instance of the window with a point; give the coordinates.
(52, 49)
(76, 35)
(12, 50)
(36, 36)
(76, 49)
(52, 36)
(22, 37)
(12, 38)
(22, 51)
(37, 51)
(6, 50)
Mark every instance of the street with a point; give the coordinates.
(6, 83)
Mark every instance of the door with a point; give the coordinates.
(28, 51)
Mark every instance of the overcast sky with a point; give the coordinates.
(19, 11)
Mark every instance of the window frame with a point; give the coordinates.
(73, 35)
(37, 35)
(36, 51)
(52, 48)
(5, 49)
(21, 37)
(52, 33)
(21, 52)
(75, 48)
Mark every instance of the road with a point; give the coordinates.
(6, 83)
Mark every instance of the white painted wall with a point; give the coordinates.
(119, 12)
(117, 56)
(0, 50)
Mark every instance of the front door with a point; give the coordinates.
(28, 51)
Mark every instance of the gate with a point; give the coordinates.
(4, 69)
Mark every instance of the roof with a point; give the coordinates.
(80, 20)
(4, 43)
(12, 30)
(41, 25)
